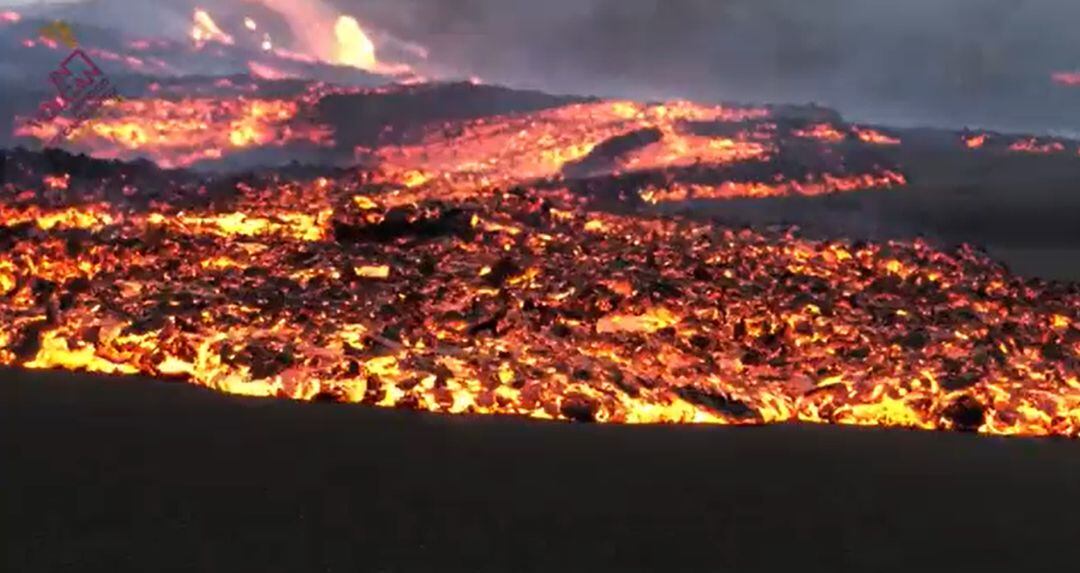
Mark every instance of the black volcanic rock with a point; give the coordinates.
(604, 155)
(393, 117)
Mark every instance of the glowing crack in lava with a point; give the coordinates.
(524, 301)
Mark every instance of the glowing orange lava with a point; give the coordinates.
(875, 137)
(1066, 78)
(526, 302)
(822, 185)
(541, 144)
(181, 132)
(463, 270)
(822, 132)
(1033, 145)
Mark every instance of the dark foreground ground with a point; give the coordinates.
(133, 475)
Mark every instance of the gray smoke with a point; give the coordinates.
(944, 62)
(949, 63)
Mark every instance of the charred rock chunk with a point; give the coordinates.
(960, 381)
(605, 154)
(716, 402)
(916, 340)
(579, 408)
(966, 414)
(28, 341)
(503, 270)
(1054, 351)
(399, 223)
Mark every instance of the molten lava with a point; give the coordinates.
(820, 185)
(1070, 79)
(598, 138)
(1033, 145)
(876, 137)
(823, 132)
(180, 132)
(975, 141)
(455, 294)
(475, 266)
(542, 144)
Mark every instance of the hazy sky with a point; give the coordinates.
(914, 60)
(23, 3)
(982, 62)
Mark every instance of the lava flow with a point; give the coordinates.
(457, 294)
(178, 132)
(742, 146)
